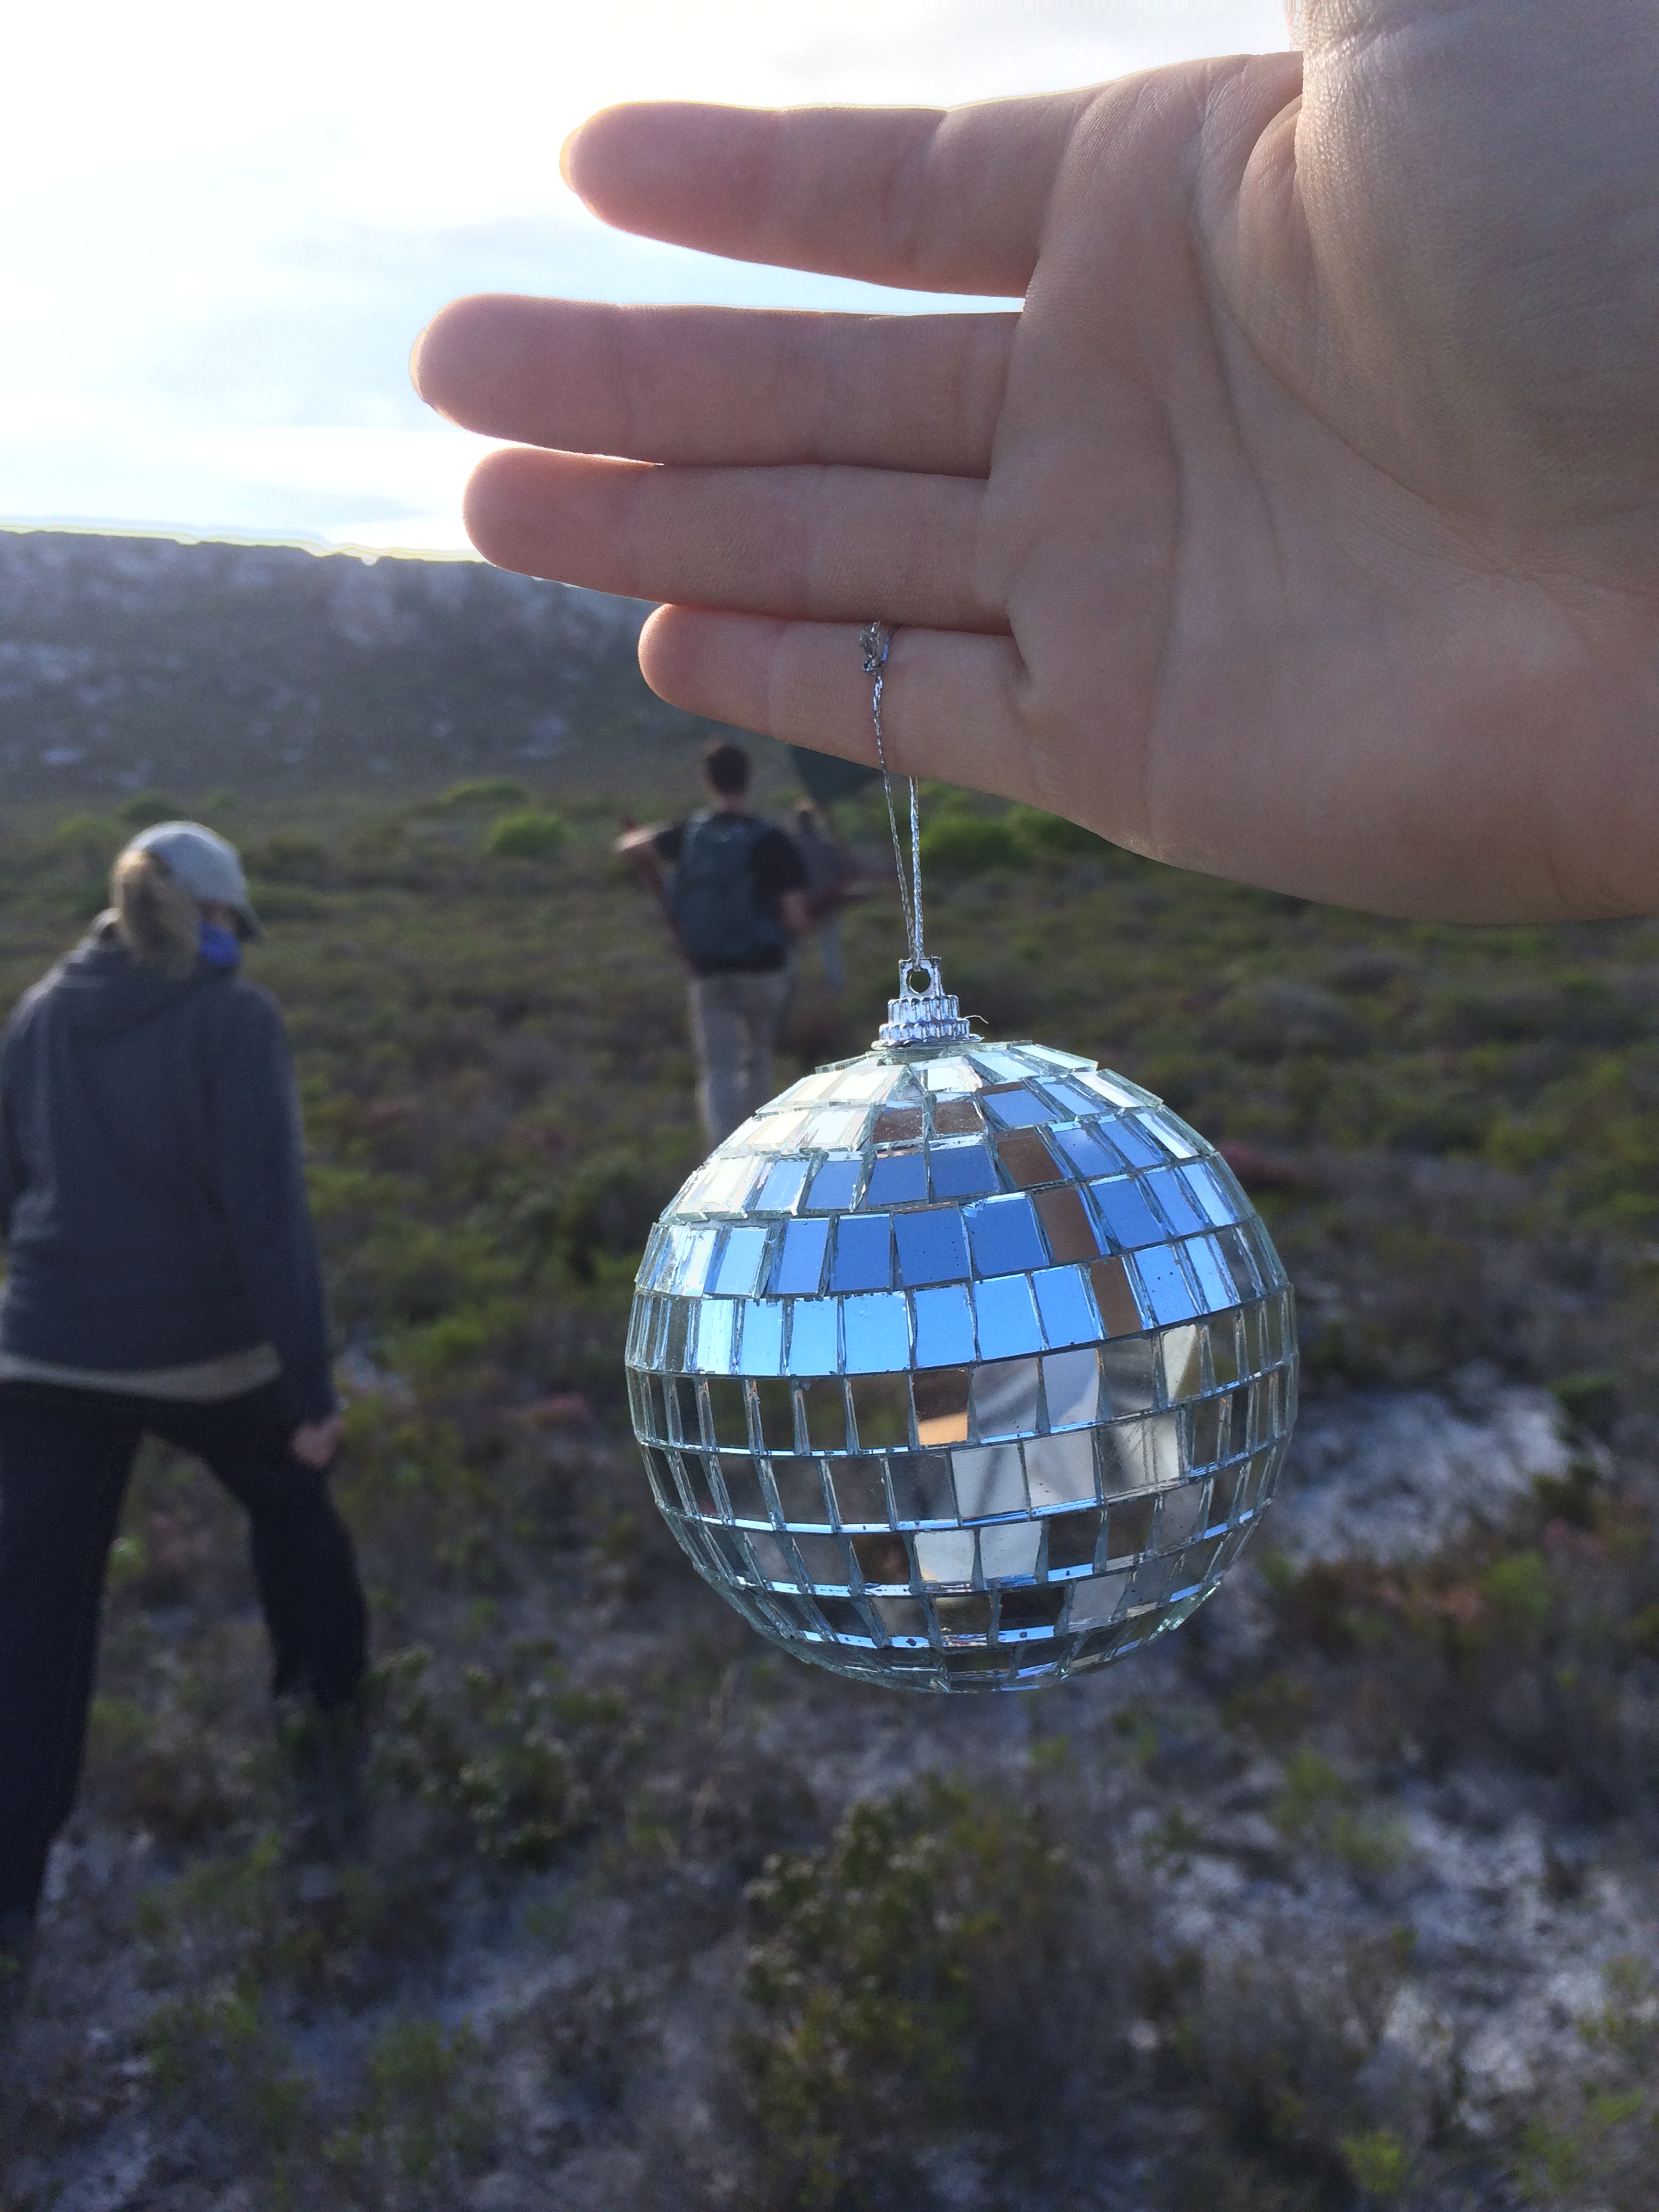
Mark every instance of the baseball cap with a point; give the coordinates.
(208, 866)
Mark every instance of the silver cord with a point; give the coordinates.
(875, 638)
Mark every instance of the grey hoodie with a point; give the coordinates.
(152, 1194)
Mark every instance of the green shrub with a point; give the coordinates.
(1589, 1402)
(1052, 837)
(85, 842)
(483, 791)
(289, 860)
(146, 807)
(520, 1760)
(532, 835)
(903, 1976)
(286, 902)
(427, 2114)
(1379, 2162)
(957, 846)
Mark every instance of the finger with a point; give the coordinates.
(939, 200)
(827, 543)
(712, 384)
(950, 706)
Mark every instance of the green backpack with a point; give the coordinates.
(716, 907)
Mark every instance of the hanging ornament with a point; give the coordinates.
(960, 1366)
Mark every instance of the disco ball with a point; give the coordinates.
(962, 1366)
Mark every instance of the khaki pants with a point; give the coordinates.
(735, 1020)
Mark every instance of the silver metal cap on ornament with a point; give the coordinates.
(962, 1366)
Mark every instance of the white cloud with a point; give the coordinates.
(221, 228)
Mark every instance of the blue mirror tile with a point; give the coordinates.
(1175, 1201)
(876, 1331)
(741, 1263)
(1006, 1317)
(1213, 1194)
(782, 1190)
(760, 1344)
(1136, 1147)
(1016, 1109)
(897, 1179)
(945, 1327)
(834, 1186)
(1214, 1281)
(812, 1345)
(1069, 1095)
(797, 1269)
(962, 1167)
(1004, 1236)
(933, 1246)
(713, 1354)
(863, 1253)
(1124, 1214)
(1164, 1289)
(1063, 1302)
(1083, 1151)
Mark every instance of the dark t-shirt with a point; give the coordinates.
(774, 863)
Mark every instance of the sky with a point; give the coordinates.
(222, 227)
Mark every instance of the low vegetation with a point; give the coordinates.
(638, 1913)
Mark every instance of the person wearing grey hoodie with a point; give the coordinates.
(161, 1280)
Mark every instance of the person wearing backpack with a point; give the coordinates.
(736, 902)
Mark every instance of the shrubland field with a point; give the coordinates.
(1341, 1898)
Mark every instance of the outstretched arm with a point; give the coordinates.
(1302, 525)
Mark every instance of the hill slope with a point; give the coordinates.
(128, 663)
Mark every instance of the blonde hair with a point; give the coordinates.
(155, 917)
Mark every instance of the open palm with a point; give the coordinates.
(1301, 527)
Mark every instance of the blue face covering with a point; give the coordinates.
(220, 948)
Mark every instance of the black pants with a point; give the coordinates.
(65, 1456)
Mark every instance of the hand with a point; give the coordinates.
(796, 915)
(1302, 528)
(315, 1443)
